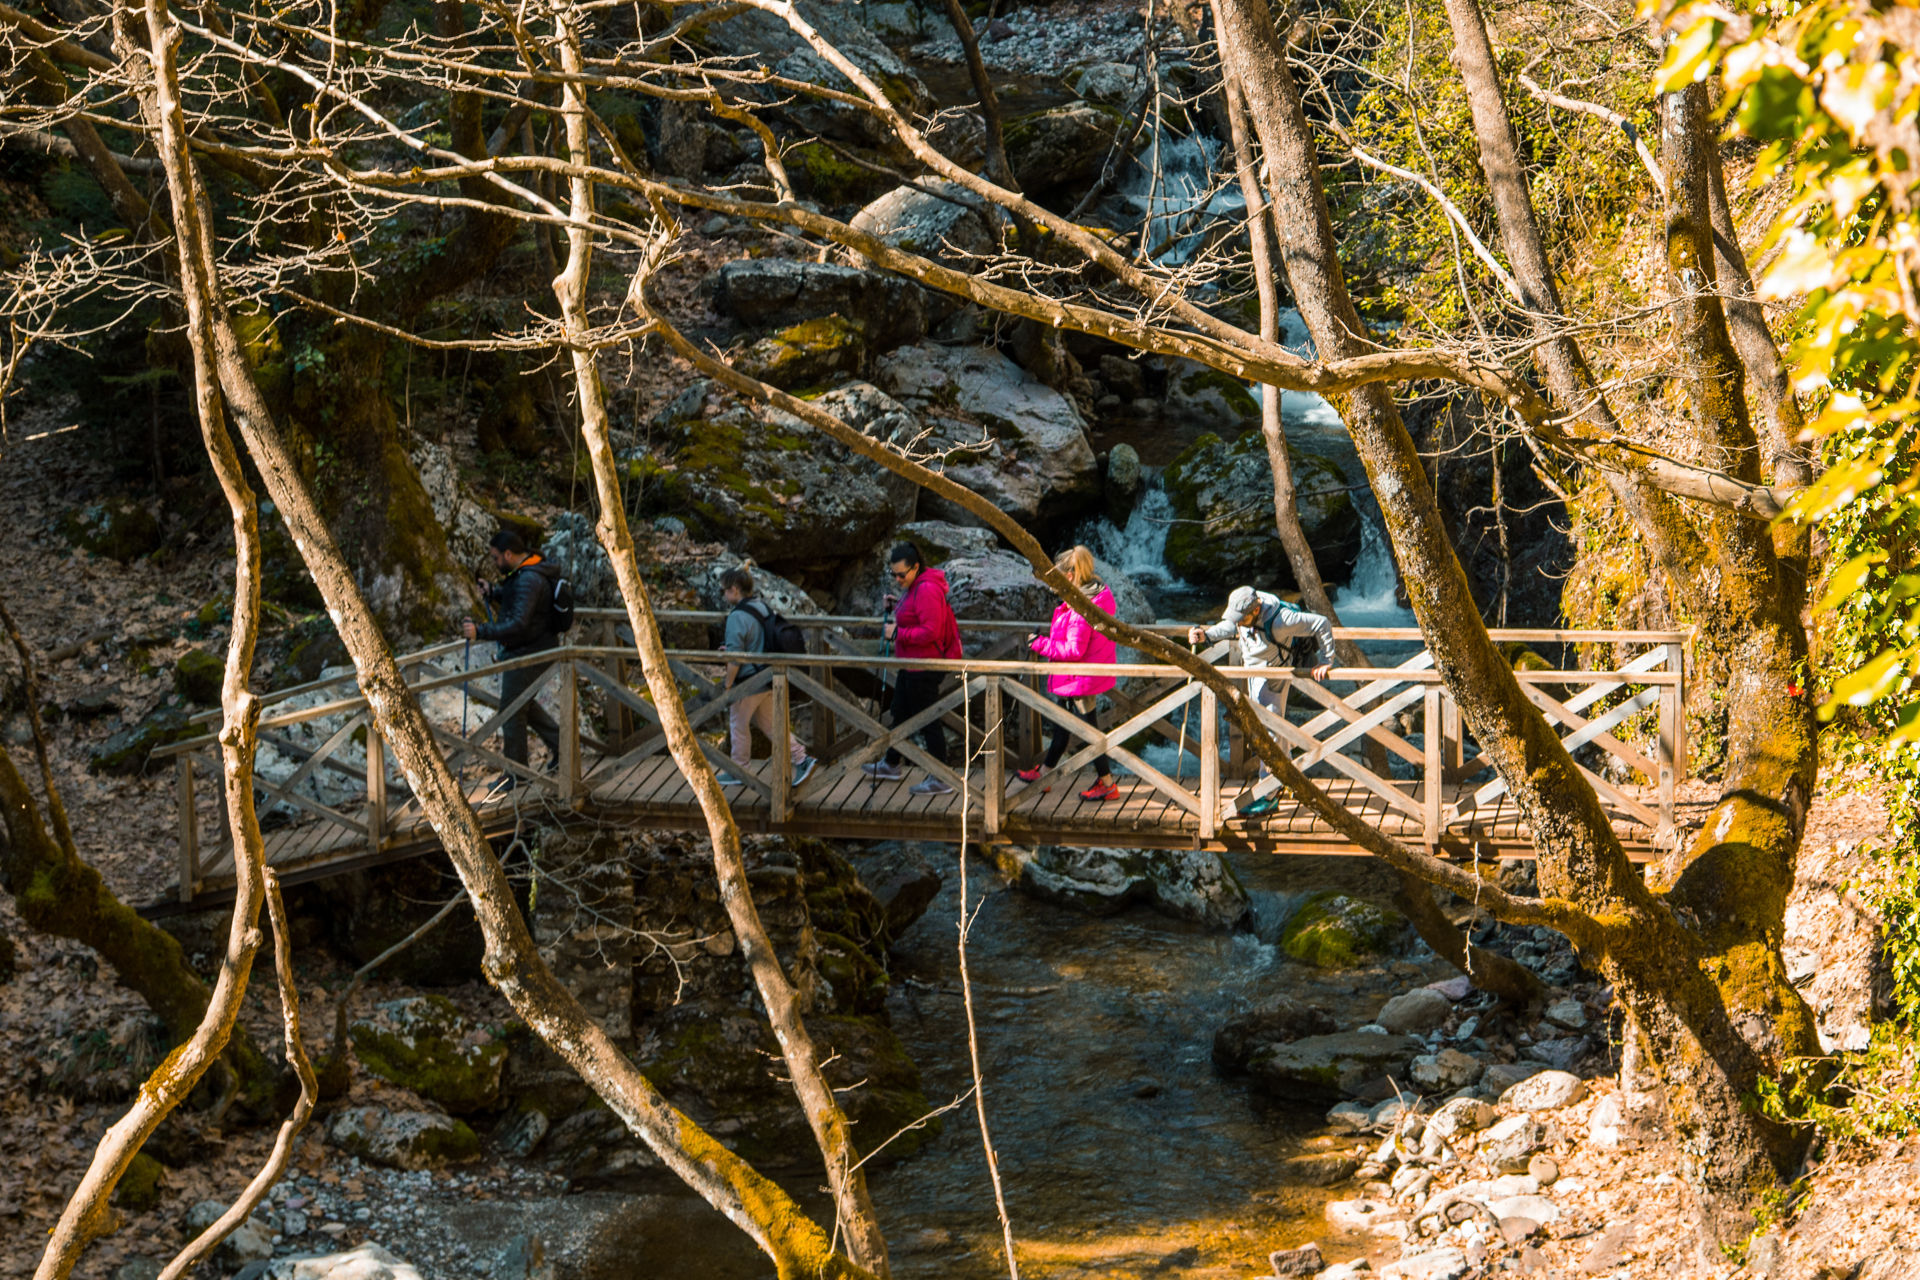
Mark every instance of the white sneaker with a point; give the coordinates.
(882, 770)
(803, 770)
(930, 787)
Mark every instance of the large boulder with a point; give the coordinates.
(1061, 147)
(774, 293)
(763, 40)
(1327, 1068)
(936, 219)
(1334, 931)
(809, 354)
(402, 1139)
(768, 487)
(1021, 444)
(1186, 884)
(1202, 394)
(1222, 499)
(426, 1044)
(1280, 1019)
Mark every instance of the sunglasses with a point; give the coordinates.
(900, 575)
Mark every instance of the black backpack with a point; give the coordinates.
(777, 634)
(560, 604)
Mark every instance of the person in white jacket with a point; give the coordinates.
(1266, 626)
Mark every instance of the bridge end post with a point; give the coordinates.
(376, 787)
(1673, 741)
(780, 741)
(1209, 763)
(1434, 735)
(568, 699)
(996, 759)
(189, 854)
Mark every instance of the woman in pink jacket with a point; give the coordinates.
(1071, 639)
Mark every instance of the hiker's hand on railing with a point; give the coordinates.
(1196, 634)
(467, 628)
(1320, 672)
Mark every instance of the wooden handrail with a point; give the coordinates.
(1329, 737)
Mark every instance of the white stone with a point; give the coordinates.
(1567, 1013)
(1374, 1216)
(1547, 1091)
(1445, 1071)
(1441, 1264)
(1455, 989)
(1604, 1125)
(367, 1262)
(1508, 1145)
(1350, 1117)
(1459, 1117)
(1539, 1208)
(1414, 1012)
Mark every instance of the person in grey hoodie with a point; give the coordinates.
(747, 620)
(1266, 626)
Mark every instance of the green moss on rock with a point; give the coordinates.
(118, 528)
(1334, 931)
(140, 1186)
(197, 676)
(808, 353)
(129, 751)
(426, 1044)
(1222, 498)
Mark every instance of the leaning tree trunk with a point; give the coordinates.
(782, 1001)
(1696, 992)
(1514, 983)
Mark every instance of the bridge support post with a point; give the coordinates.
(781, 740)
(376, 788)
(1673, 740)
(1433, 734)
(189, 857)
(1451, 737)
(996, 753)
(567, 703)
(1209, 763)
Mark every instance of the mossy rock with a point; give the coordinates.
(1334, 931)
(197, 677)
(130, 750)
(402, 1139)
(1222, 499)
(823, 174)
(140, 1186)
(808, 354)
(426, 1044)
(313, 647)
(118, 528)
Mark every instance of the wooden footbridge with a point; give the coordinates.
(325, 811)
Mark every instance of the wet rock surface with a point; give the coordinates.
(1196, 886)
(1222, 491)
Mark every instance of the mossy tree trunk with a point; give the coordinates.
(1700, 970)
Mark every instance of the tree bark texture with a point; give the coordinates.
(1680, 982)
(782, 1001)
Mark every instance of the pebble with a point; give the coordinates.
(1604, 1125)
(1455, 989)
(1350, 1117)
(1373, 1216)
(1304, 1261)
(1446, 1070)
(1539, 1208)
(1544, 1169)
(1441, 1264)
(1568, 1014)
(1414, 1012)
(1511, 1143)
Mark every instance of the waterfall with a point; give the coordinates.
(1371, 596)
(1139, 548)
(1187, 197)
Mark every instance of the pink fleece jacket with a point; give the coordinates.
(1072, 639)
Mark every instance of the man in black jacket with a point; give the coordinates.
(523, 623)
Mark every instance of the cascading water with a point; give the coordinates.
(1138, 549)
(1172, 184)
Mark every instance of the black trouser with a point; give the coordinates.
(913, 693)
(513, 732)
(1084, 708)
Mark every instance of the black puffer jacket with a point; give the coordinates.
(522, 609)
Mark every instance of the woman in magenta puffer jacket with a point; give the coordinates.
(1071, 639)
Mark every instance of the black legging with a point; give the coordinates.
(913, 693)
(1062, 735)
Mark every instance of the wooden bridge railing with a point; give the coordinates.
(996, 705)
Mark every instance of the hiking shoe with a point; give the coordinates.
(883, 771)
(1031, 775)
(803, 770)
(1264, 805)
(501, 786)
(930, 787)
(1101, 791)
(728, 780)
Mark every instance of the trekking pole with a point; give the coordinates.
(886, 651)
(1180, 756)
